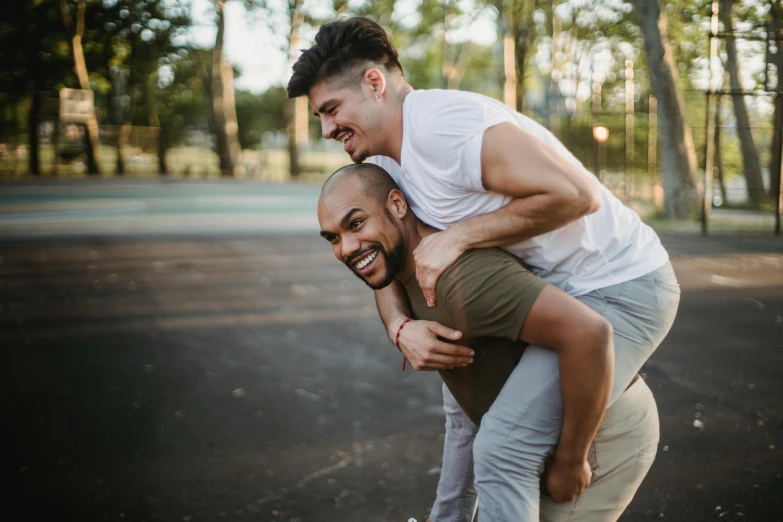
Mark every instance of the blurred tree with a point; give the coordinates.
(224, 111)
(74, 28)
(260, 113)
(34, 60)
(678, 155)
(138, 43)
(774, 15)
(183, 101)
(296, 109)
(750, 155)
(521, 28)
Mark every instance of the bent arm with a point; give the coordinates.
(583, 342)
(393, 307)
(419, 341)
(548, 190)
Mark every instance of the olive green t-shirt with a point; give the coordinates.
(486, 295)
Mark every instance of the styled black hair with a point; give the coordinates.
(341, 48)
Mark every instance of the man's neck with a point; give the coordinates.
(393, 146)
(415, 235)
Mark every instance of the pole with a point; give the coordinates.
(652, 138)
(595, 104)
(509, 65)
(707, 199)
(629, 128)
(778, 147)
(56, 143)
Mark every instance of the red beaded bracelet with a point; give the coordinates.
(397, 341)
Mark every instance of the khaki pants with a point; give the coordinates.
(621, 455)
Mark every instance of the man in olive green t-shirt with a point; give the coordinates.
(500, 305)
(481, 281)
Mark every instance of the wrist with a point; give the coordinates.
(457, 239)
(568, 457)
(394, 327)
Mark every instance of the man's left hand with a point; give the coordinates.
(435, 253)
(564, 481)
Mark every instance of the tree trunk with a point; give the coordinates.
(750, 155)
(295, 111)
(776, 12)
(80, 68)
(523, 23)
(33, 157)
(153, 120)
(777, 147)
(116, 114)
(293, 150)
(456, 71)
(555, 75)
(678, 155)
(509, 67)
(222, 98)
(718, 163)
(163, 148)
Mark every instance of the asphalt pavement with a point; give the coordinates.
(191, 351)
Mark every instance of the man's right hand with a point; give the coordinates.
(420, 342)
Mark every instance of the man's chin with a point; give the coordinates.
(358, 156)
(375, 284)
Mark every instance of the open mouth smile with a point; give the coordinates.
(366, 261)
(346, 140)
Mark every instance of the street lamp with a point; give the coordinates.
(600, 135)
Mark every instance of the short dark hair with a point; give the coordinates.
(376, 182)
(340, 47)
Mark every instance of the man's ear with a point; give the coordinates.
(376, 80)
(396, 204)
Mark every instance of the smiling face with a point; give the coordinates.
(365, 234)
(351, 114)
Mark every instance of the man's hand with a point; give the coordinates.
(564, 481)
(419, 342)
(435, 253)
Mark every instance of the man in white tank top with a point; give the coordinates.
(488, 176)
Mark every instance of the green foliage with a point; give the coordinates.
(259, 113)
(183, 104)
(142, 67)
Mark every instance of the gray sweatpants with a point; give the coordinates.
(507, 451)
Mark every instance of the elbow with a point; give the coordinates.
(588, 340)
(600, 335)
(589, 199)
(585, 198)
(599, 339)
(593, 200)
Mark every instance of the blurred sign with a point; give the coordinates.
(76, 105)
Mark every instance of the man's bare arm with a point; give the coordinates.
(549, 192)
(419, 340)
(583, 342)
(393, 307)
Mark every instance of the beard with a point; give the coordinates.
(358, 156)
(392, 259)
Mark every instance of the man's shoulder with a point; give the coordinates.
(489, 292)
(478, 264)
(441, 122)
(426, 104)
(482, 256)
